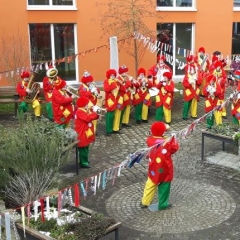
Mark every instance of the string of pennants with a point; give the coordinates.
(68, 59)
(73, 194)
(154, 45)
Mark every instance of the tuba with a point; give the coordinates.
(34, 87)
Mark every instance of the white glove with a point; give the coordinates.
(231, 95)
(209, 88)
(238, 96)
(28, 90)
(93, 89)
(164, 84)
(96, 108)
(130, 78)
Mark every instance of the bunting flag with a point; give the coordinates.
(23, 221)
(83, 189)
(76, 195)
(7, 226)
(42, 209)
(59, 206)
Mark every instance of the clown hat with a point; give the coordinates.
(158, 129)
(111, 72)
(87, 77)
(82, 102)
(168, 75)
(59, 84)
(25, 74)
(218, 64)
(201, 49)
(161, 57)
(122, 69)
(141, 70)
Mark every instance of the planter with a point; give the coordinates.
(33, 234)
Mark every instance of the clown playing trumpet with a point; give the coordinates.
(89, 90)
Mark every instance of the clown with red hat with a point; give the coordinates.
(24, 91)
(141, 98)
(85, 128)
(204, 63)
(48, 84)
(88, 89)
(164, 98)
(191, 87)
(112, 100)
(160, 170)
(125, 85)
(219, 73)
(62, 104)
(157, 70)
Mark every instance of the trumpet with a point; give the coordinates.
(93, 89)
(100, 111)
(70, 89)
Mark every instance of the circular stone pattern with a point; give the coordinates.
(196, 206)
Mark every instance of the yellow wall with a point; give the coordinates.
(213, 21)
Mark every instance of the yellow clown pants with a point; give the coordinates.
(218, 117)
(95, 125)
(116, 121)
(163, 193)
(144, 112)
(126, 114)
(167, 114)
(194, 107)
(36, 108)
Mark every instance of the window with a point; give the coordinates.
(178, 4)
(51, 4)
(236, 3)
(54, 41)
(179, 36)
(236, 38)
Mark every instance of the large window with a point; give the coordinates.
(51, 5)
(175, 41)
(175, 3)
(236, 38)
(51, 42)
(236, 3)
(50, 2)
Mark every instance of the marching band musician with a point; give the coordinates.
(204, 63)
(62, 104)
(211, 91)
(84, 126)
(157, 70)
(89, 90)
(221, 77)
(141, 98)
(191, 87)
(23, 91)
(164, 99)
(48, 84)
(125, 90)
(235, 107)
(112, 102)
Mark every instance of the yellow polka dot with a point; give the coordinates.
(158, 160)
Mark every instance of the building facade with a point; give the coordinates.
(63, 33)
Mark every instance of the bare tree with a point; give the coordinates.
(124, 17)
(15, 55)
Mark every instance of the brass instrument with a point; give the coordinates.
(93, 89)
(52, 73)
(34, 89)
(70, 89)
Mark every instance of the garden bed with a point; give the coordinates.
(86, 224)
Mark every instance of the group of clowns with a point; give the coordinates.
(202, 77)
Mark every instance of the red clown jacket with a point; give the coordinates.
(84, 126)
(160, 157)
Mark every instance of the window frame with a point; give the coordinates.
(53, 7)
(178, 9)
(76, 60)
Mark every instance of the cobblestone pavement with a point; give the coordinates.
(205, 196)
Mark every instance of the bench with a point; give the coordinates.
(10, 95)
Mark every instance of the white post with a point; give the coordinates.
(114, 62)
